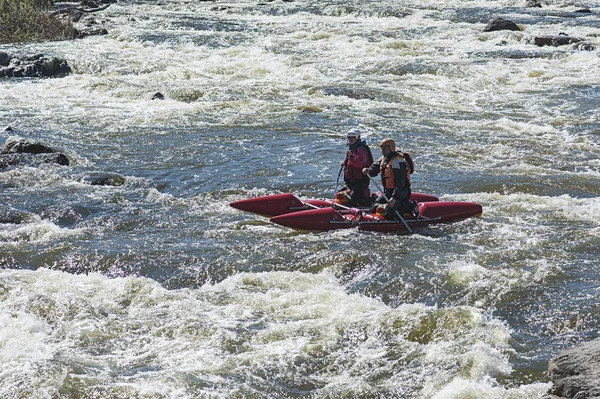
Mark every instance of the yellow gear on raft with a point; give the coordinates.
(343, 197)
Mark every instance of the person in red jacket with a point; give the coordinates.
(356, 192)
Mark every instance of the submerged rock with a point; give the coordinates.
(13, 216)
(533, 4)
(103, 179)
(25, 159)
(514, 54)
(575, 372)
(584, 47)
(309, 109)
(501, 24)
(558, 40)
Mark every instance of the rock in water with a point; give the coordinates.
(501, 24)
(533, 4)
(17, 145)
(575, 372)
(4, 58)
(33, 160)
(13, 216)
(559, 40)
(32, 66)
(103, 179)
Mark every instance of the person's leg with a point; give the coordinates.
(358, 193)
(402, 207)
(380, 200)
(399, 206)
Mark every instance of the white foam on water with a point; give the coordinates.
(130, 332)
(38, 232)
(22, 338)
(467, 273)
(563, 207)
(461, 388)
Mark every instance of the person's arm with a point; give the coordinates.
(373, 170)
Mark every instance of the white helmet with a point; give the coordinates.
(354, 132)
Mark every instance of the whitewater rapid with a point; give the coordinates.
(158, 289)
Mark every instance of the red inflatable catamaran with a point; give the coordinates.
(315, 214)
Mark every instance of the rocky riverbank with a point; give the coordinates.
(575, 372)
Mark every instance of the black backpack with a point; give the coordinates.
(410, 164)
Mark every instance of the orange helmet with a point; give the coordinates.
(389, 142)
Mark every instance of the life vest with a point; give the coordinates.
(387, 175)
(356, 174)
(410, 164)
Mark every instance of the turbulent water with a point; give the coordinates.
(158, 289)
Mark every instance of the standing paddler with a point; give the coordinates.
(358, 156)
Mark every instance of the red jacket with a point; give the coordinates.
(355, 162)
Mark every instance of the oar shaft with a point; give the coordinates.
(337, 182)
(387, 199)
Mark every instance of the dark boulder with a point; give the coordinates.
(14, 145)
(89, 3)
(89, 31)
(158, 96)
(533, 4)
(37, 65)
(575, 372)
(34, 160)
(103, 179)
(501, 24)
(49, 66)
(4, 58)
(26, 152)
(559, 40)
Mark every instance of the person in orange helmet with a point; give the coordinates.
(395, 168)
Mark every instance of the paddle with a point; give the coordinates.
(386, 198)
(337, 182)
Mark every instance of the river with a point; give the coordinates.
(158, 289)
